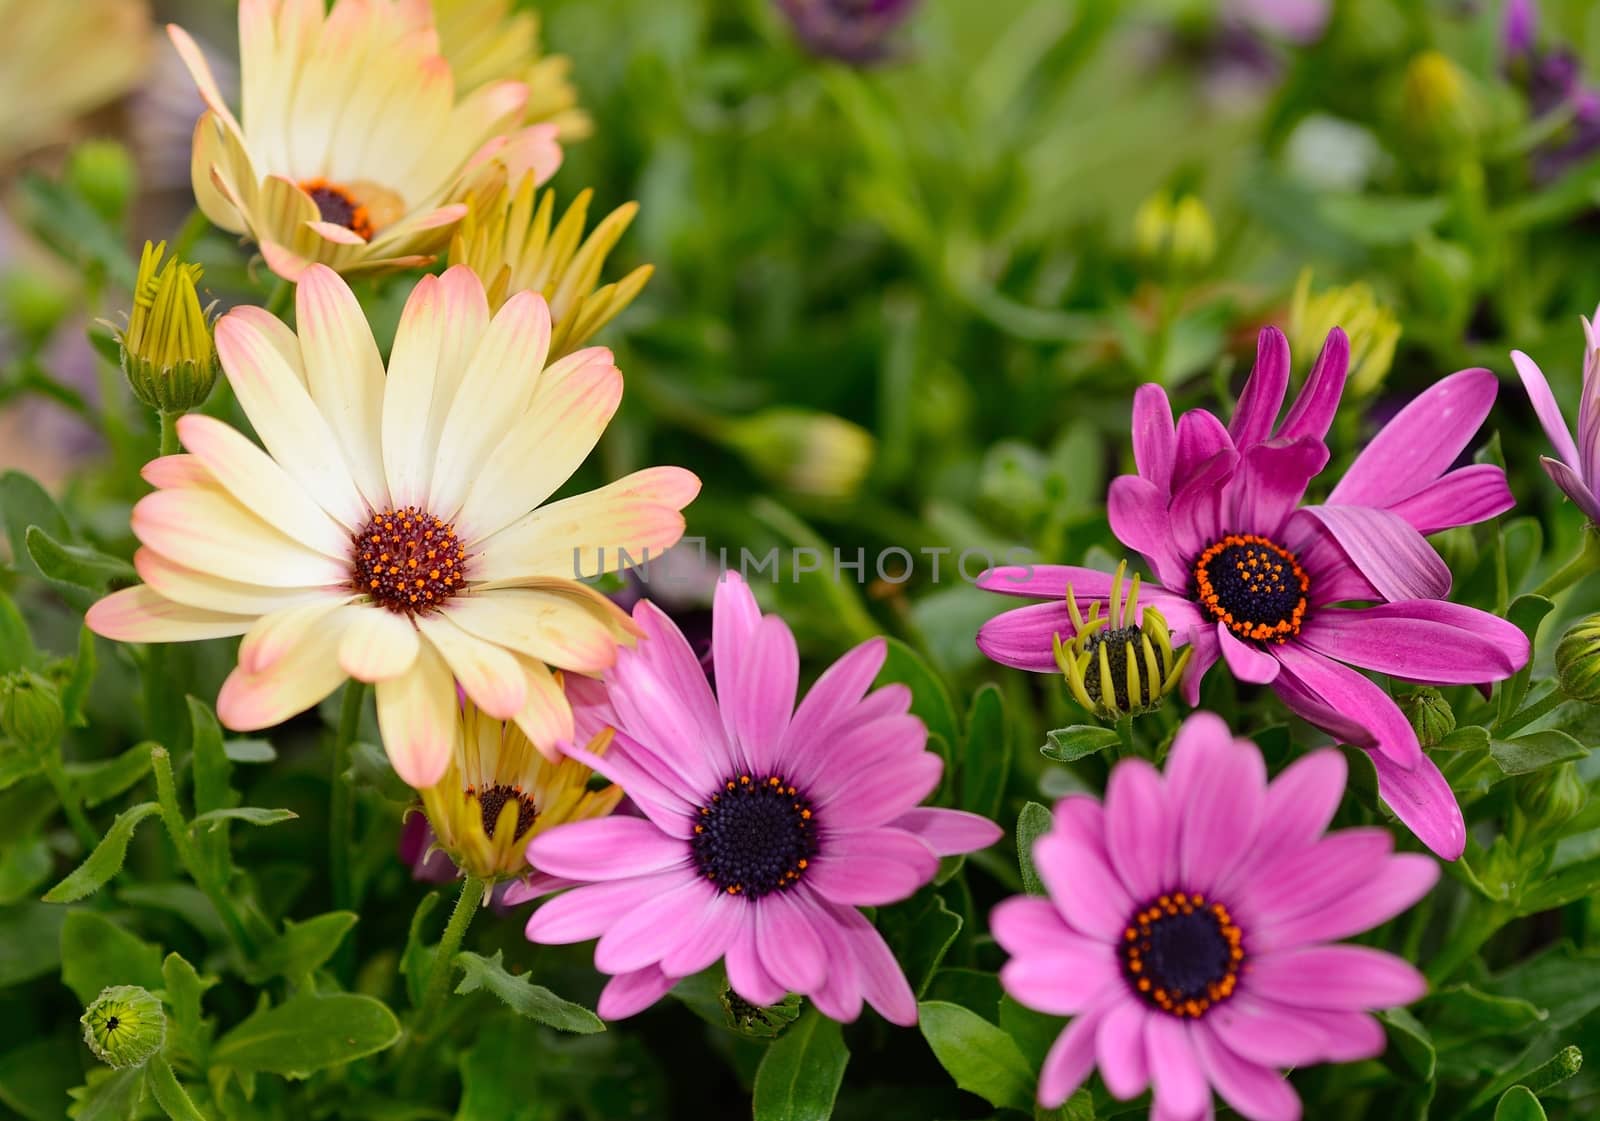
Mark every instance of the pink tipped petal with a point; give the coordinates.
(1465, 496)
(1180, 1084)
(870, 868)
(1069, 1061)
(1257, 1093)
(1385, 548)
(1546, 408)
(1346, 691)
(1381, 895)
(1137, 510)
(949, 832)
(1573, 486)
(628, 994)
(1140, 828)
(377, 645)
(1420, 443)
(1257, 410)
(1090, 895)
(491, 676)
(610, 848)
(1246, 661)
(1312, 412)
(140, 614)
(786, 938)
(417, 719)
(1420, 640)
(1422, 799)
(1155, 438)
(1120, 1050)
(1349, 978)
(1067, 980)
(1021, 638)
(1026, 924)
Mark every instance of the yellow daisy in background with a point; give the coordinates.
(500, 792)
(61, 58)
(393, 529)
(517, 246)
(352, 148)
(485, 41)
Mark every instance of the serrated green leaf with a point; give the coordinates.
(77, 566)
(96, 953)
(100, 782)
(106, 859)
(982, 1059)
(307, 1033)
(188, 1032)
(16, 644)
(1533, 752)
(108, 1095)
(1078, 741)
(801, 1072)
(1033, 822)
(250, 815)
(303, 947)
(23, 502)
(522, 996)
(1519, 1104)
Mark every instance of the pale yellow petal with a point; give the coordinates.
(141, 614)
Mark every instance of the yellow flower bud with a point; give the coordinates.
(1372, 328)
(815, 454)
(167, 352)
(125, 1026)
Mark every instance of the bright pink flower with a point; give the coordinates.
(1250, 576)
(765, 825)
(1188, 925)
(1577, 471)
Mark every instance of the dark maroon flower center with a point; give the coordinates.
(492, 799)
(338, 206)
(407, 560)
(755, 836)
(1253, 586)
(1182, 954)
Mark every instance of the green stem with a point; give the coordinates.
(169, 1093)
(178, 831)
(189, 233)
(71, 801)
(444, 959)
(169, 433)
(282, 297)
(1468, 939)
(1587, 561)
(1126, 750)
(341, 815)
(1541, 707)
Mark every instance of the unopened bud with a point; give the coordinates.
(167, 350)
(1552, 797)
(1578, 661)
(30, 711)
(1429, 714)
(125, 1026)
(102, 173)
(1174, 236)
(811, 453)
(1439, 107)
(1370, 326)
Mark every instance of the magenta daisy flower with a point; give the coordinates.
(765, 827)
(1577, 471)
(1188, 929)
(1248, 575)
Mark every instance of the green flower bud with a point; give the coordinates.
(1429, 714)
(30, 711)
(1152, 227)
(810, 453)
(167, 352)
(125, 1026)
(1439, 107)
(1372, 328)
(33, 305)
(1552, 797)
(1578, 661)
(1174, 236)
(756, 1020)
(102, 173)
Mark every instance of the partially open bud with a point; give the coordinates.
(30, 711)
(167, 352)
(1371, 327)
(811, 453)
(1429, 714)
(1120, 662)
(125, 1026)
(1578, 661)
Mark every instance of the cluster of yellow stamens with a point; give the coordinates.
(408, 561)
(1119, 662)
(1254, 587)
(1182, 954)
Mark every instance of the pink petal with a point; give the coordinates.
(1257, 410)
(642, 935)
(1349, 978)
(1267, 1032)
(1257, 1093)
(1270, 481)
(1201, 437)
(883, 983)
(720, 920)
(1081, 818)
(1573, 486)
(663, 700)
(1069, 1061)
(1046, 581)
(1312, 412)
(1090, 896)
(1201, 738)
(1199, 512)
(587, 912)
(628, 994)
(1385, 549)
(1021, 638)
(1465, 496)
(1420, 640)
(1119, 1047)
(1026, 924)
(1180, 1084)
(1137, 510)
(1140, 829)
(1155, 440)
(610, 848)
(840, 688)
(786, 938)
(1347, 1036)
(1347, 692)
(949, 832)
(870, 868)
(840, 996)
(877, 794)
(1400, 882)
(1301, 801)
(1420, 443)
(1065, 981)
(1545, 407)
(758, 699)
(1422, 799)
(1246, 661)
(1220, 812)
(746, 975)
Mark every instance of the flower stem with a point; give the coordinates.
(1541, 707)
(282, 297)
(1481, 924)
(189, 233)
(178, 831)
(1127, 749)
(169, 433)
(1587, 561)
(341, 815)
(71, 801)
(444, 958)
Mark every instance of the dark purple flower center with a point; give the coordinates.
(1181, 954)
(492, 799)
(407, 560)
(1253, 586)
(336, 205)
(755, 836)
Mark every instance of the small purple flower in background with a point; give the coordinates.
(766, 825)
(1577, 469)
(1298, 21)
(1553, 79)
(1248, 575)
(855, 31)
(1189, 925)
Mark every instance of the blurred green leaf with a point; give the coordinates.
(250, 815)
(78, 566)
(100, 782)
(1032, 823)
(97, 953)
(800, 1073)
(986, 756)
(921, 930)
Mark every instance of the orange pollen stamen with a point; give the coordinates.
(1182, 955)
(1253, 586)
(383, 560)
(337, 205)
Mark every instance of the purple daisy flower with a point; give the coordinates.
(1248, 575)
(1577, 470)
(766, 825)
(855, 31)
(1188, 925)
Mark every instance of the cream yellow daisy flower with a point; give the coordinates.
(486, 41)
(393, 527)
(500, 792)
(352, 148)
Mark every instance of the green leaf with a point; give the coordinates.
(303, 947)
(1032, 822)
(981, 1058)
(930, 700)
(16, 644)
(106, 859)
(1535, 751)
(522, 996)
(23, 867)
(30, 941)
(800, 1074)
(16, 766)
(921, 930)
(307, 1033)
(188, 1032)
(1411, 1041)
(24, 503)
(77, 566)
(1078, 741)
(1380, 220)
(250, 815)
(1033, 1032)
(1563, 886)
(75, 693)
(1526, 613)
(213, 770)
(1519, 1104)
(1469, 737)
(36, 1077)
(417, 956)
(102, 781)
(986, 754)
(108, 1095)
(96, 953)
(248, 750)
